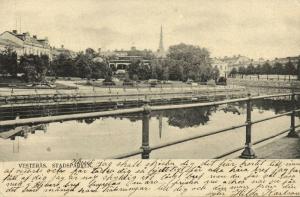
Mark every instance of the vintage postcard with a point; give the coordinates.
(149, 98)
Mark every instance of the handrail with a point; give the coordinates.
(125, 155)
(257, 142)
(40, 120)
(134, 153)
(196, 137)
(271, 117)
(146, 109)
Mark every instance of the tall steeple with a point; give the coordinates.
(161, 45)
(161, 51)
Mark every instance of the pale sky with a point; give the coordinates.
(258, 28)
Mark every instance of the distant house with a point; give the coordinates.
(226, 64)
(121, 64)
(55, 52)
(285, 60)
(221, 65)
(23, 43)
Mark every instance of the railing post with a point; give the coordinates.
(248, 152)
(293, 132)
(145, 131)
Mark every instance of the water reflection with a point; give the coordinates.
(278, 106)
(230, 108)
(180, 118)
(193, 117)
(91, 137)
(184, 118)
(87, 120)
(21, 131)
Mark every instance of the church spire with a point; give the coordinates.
(161, 51)
(161, 45)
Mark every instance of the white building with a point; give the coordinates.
(221, 65)
(226, 64)
(23, 43)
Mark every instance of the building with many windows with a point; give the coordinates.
(226, 64)
(23, 43)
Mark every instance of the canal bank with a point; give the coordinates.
(38, 104)
(96, 137)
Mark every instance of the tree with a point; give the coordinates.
(258, 69)
(145, 71)
(8, 62)
(266, 69)
(242, 71)
(64, 66)
(233, 72)
(188, 61)
(188, 53)
(165, 73)
(84, 66)
(250, 69)
(34, 67)
(133, 69)
(290, 69)
(278, 68)
(175, 70)
(139, 69)
(90, 53)
(156, 69)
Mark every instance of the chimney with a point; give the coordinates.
(62, 46)
(15, 31)
(99, 50)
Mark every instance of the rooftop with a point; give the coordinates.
(9, 43)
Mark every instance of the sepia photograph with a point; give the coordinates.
(150, 79)
(105, 79)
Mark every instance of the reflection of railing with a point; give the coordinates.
(145, 149)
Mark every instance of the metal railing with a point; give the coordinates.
(248, 152)
(146, 110)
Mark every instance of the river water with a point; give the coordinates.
(109, 136)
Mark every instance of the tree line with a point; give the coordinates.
(183, 62)
(84, 65)
(267, 69)
(32, 67)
